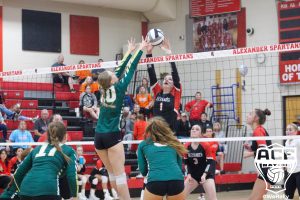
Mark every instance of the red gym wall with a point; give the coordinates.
(1, 41)
(84, 35)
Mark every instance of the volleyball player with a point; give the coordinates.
(293, 181)
(37, 176)
(256, 119)
(200, 167)
(159, 157)
(166, 97)
(108, 136)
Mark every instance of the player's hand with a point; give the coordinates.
(144, 43)
(131, 45)
(247, 146)
(203, 178)
(166, 46)
(149, 48)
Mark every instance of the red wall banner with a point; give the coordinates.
(289, 71)
(212, 7)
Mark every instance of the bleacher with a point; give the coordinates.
(57, 99)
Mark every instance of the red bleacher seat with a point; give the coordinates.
(75, 135)
(13, 94)
(73, 104)
(88, 148)
(25, 104)
(135, 183)
(12, 125)
(235, 178)
(91, 158)
(232, 167)
(67, 96)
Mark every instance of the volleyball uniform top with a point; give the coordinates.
(112, 100)
(295, 143)
(160, 162)
(38, 174)
(166, 105)
(195, 160)
(260, 131)
(14, 164)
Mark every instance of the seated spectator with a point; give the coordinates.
(53, 118)
(41, 125)
(145, 84)
(21, 135)
(89, 82)
(3, 127)
(129, 130)
(96, 72)
(99, 173)
(88, 103)
(183, 127)
(82, 74)
(139, 129)
(5, 177)
(82, 178)
(63, 77)
(204, 123)
(15, 113)
(222, 145)
(196, 107)
(16, 160)
(136, 109)
(144, 100)
(127, 102)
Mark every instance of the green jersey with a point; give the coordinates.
(38, 174)
(160, 162)
(112, 102)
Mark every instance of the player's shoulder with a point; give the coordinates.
(187, 145)
(67, 149)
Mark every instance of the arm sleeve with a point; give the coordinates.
(151, 72)
(71, 173)
(120, 69)
(175, 75)
(142, 163)
(129, 72)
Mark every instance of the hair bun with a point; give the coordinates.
(267, 112)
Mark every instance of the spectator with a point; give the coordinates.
(16, 160)
(82, 74)
(99, 173)
(145, 84)
(63, 77)
(5, 177)
(127, 102)
(41, 125)
(204, 123)
(15, 113)
(82, 178)
(139, 127)
(129, 127)
(196, 107)
(88, 103)
(89, 82)
(96, 72)
(3, 127)
(136, 109)
(183, 127)
(144, 100)
(222, 145)
(21, 135)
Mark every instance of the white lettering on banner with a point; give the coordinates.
(292, 67)
(287, 76)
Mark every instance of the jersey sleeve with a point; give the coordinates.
(156, 88)
(175, 76)
(142, 162)
(129, 72)
(71, 173)
(260, 132)
(120, 69)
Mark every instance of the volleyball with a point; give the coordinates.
(243, 70)
(155, 36)
(275, 174)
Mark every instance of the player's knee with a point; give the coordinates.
(111, 177)
(121, 179)
(104, 179)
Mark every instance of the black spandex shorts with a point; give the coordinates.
(48, 197)
(107, 140)
(198, 177)
(162, 188)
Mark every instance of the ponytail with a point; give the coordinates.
(56, 135)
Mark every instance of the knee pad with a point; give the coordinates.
(121, 179)
(104, 179)
(111, 177)
(95, 181)
(84, 179)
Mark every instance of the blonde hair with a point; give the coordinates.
(159, 131)
(104, 80)
(295, 127)
(56, 134)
